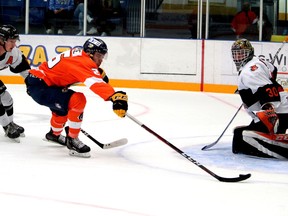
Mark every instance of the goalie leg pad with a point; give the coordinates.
(239, 146)
(268, 144)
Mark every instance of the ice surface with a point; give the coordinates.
(144, 177)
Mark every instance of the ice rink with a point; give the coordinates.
(144, 177)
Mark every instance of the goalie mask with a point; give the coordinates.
(8, 32)
(93, 45)
(242, 52)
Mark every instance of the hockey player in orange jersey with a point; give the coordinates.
(49, 85)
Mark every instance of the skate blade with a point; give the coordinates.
(77, 154)
(17, 140)
(22, 135)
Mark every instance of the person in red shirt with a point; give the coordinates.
(49, 85)
(242, 20)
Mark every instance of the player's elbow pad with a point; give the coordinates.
(104, 75)
(268, 93)
(106, 79)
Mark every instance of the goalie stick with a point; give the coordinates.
(113, 144)
(282, 45)
(215, 142)
(241, 177)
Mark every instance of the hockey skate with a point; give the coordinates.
(50, 137)
(12, 132)
(77, 147)
(19, 129)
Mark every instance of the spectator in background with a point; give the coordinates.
(57, 13)
(133, 17)
(267, 28)
(243, 21)
(79, 15)
(104, 11)
(192, 25)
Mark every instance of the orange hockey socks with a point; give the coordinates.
(76, 107)
(57, 123)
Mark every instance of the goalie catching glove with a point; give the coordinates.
(120, 105)
(269, 117)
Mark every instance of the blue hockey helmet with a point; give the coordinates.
(93, 45)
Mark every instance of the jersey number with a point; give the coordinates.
(272, 92)
(54, 61)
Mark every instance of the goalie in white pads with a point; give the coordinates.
(265, 101)
(12, 57)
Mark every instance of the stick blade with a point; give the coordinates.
(241, 177)
(204, 148)
(116, 143)
(208, 146)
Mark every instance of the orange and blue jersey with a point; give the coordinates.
(73, 66)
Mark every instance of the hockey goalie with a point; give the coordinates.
(265, 101)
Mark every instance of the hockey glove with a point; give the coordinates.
(103, 74)
(269, 117)
(120, 105)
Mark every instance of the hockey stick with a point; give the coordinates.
(282, 45)
(113, 144)
(214, 143)
(222, 179)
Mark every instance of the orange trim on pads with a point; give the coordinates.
(146, 84)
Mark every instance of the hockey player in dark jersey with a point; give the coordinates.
(265, 101)
(12, 57)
